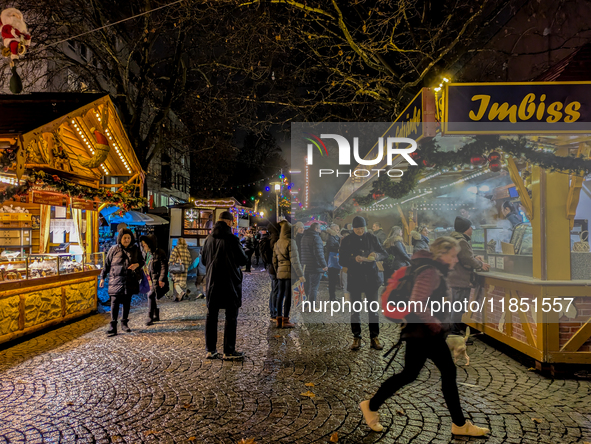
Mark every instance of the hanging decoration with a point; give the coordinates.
(123, 197)
(478, 160)
(481, 146)
(16, 40)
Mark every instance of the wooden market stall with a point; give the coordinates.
(543, 265)
(193, 221)
(64, 157)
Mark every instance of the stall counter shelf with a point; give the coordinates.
(35, 301)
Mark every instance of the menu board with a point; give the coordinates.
(55, 199)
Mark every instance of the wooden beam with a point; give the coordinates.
(579, 338)
(521, 189)
(117, 185)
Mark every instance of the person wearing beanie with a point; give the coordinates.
(122, 264)
(359, 253)
(312, 257)
(459, 278)
(157, 272)
(222, 257)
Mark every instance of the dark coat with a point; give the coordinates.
(312, 252)
(361, 276)
(158, 265)
(381, 235)
(266, 246)
(223, 256)
(396, 248)
(121, 279)
(515, 219)
(460, 276)
(285, 255)
(419, 242)
(333, 242)
(298, 239)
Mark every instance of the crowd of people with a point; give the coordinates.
(353, 259)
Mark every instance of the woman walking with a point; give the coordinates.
(285, 259)
(156, 270)
(122, 265)
(425, 335)
(180, 254)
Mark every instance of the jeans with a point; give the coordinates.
(417, 353)
(117, 299)
(333, 280)
(284, 295)
(311, 285)
(273, 296)
(374, 317)
(211, 329)
(459, 294)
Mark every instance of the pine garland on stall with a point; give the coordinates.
(430, 153)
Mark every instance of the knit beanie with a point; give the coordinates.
(359, 222)
(462, 224)
(226, 215)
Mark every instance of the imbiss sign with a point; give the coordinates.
(517, 108)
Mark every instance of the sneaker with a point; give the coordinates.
(371, 418)
(236, 356)
(375, 344)
(201, 296)
(469, 429)
(212, 355)
(356, 345)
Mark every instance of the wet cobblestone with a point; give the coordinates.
(73, 384)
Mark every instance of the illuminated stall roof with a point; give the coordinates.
(57, 132)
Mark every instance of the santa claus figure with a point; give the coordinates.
(15, 37)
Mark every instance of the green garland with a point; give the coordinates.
(430, 153)
(123, 197)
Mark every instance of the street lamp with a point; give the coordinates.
(277, 188)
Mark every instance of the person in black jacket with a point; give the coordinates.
(157, 273)
(511, 214)
(223, 256)
(122, 265)
(333, 244)
(248, 248)
(397, 254)
(358, 253)
(312, 257)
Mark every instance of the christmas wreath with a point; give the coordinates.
(431, 157)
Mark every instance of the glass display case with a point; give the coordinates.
(35, 266)
(508, 250)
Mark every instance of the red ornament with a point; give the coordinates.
(495, 167)
(494, 156)
(478, 160)
(495, 162)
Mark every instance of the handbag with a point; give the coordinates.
(176, 268)
(144, 284)
(582, 246)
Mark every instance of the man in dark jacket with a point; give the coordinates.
(122, 265)
(333, 244)
(312, 257)
(359, 253)
(266, 247)
(157, 266)
(459, 277)
(223, 256)
(379, 232)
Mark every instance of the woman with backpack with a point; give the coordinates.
(156, 270)
(425, 335)
(122, 264)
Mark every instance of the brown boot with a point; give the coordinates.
(287, 324)
(279, 322)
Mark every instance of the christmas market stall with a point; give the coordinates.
(64, 157)
(193, 221)
(514, 159)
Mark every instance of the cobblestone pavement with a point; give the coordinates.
(74, 384)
